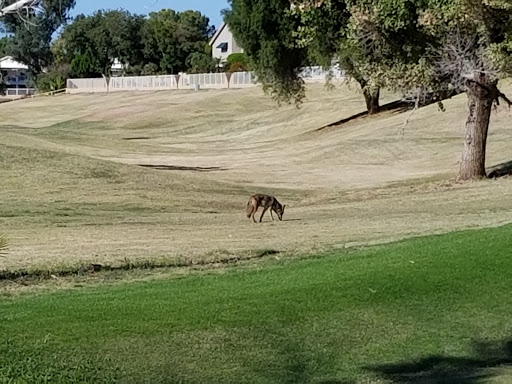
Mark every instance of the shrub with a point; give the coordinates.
(237, 62)
(54, 79)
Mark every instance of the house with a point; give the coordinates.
(14, 76)
(117, 68)
(224, 44)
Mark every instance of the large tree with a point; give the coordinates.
(32, 31)
(170, 38)
(307, 33)
(326, 32)
(267, 31)
(462, 45)
(421, 47)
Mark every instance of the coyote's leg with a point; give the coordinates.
(254, 210)
(262, 213)
(271, 215)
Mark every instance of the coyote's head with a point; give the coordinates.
(279, 209)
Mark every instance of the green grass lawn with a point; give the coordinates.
(430, 310)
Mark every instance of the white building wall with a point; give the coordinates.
(225, 37)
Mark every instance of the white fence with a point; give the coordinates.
(86, 85)
(136, 83)
(185, 81)
(19, 91)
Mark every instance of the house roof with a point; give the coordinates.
(8, 62)
(217, 33)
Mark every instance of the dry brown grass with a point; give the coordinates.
(72, 191)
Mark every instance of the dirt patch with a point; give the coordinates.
(181, 168)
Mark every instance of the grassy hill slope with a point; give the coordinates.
(138, 176)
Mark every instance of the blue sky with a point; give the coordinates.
(210, 8)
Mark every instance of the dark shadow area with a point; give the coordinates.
(265, 252)
(500, 170)
(398, 106)
(292, 219)
(335, 381)
(25, 277)
(439, 369)
(137, 138)
(291, 361)
(181, 168)
(395, 106)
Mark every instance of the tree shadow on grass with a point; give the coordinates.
(437, 369)
(398, 106)
(395, 106)
(292, 362)
(500, 170)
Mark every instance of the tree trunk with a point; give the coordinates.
(481, 94)
(372, 100)
(371, 96)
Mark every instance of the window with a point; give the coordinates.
(223, 47)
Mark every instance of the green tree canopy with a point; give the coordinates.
(201, 62)
(32, 32)
(267, 31)
(307, 34)
(92, 43)
(4, 46)
(171, 37)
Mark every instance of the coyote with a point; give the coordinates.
(266, 202)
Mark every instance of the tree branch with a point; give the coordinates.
(504, 98)
(401, 132)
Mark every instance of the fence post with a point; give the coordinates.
(107, 82)
(228, 77)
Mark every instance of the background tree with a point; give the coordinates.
(266, 29)
(201, 62)
(32, 34)
(150, 69)
(4, 46)
(56, 74)
(170, 37)
(93, 43)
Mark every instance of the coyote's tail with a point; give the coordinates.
(248, 210)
